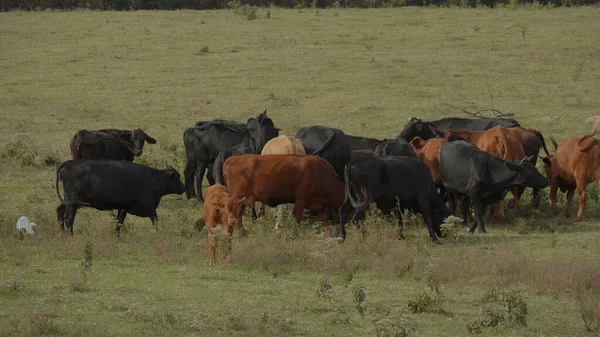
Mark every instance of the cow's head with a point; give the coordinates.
(137, 139)
(262, 130)
(416, 128)
(173, 183)
(234, 209)
(528, 175)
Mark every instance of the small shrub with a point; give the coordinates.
(358, 297)
(14, 285)
(402, 271)
(51, 158)
(516, 308)
(422, 303)
(589, 305)
(451, 227)
(20, 149)
(323, 292)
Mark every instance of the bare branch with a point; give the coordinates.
(478, 113)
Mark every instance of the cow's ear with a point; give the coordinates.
(150, 140)
(217, 205)
(416, 142)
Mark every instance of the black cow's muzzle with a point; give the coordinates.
(137, 152)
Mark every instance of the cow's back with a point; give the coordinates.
(284, 145)
(501, 143)
(572, 160)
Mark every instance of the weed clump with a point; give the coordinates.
(589, 305)
(20, 149)
(499, 307)
(429, 301)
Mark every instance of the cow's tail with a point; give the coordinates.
(541, 138)
(325, 145)
(58, 178)
(588, 144)
(356, 204)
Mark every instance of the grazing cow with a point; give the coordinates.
(308, 181)
(427, 130)
(110, 184)
(283, 145)
(531, 141)
(482, 179)
(328, 143)
(362, 143)
(391, 181)
(223, 211)
(574, 164)
(394, 147)
(204, 142)
(110, 144)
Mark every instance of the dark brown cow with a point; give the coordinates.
(308, 181)
(111, 144)
(223, 211)
(574, 164)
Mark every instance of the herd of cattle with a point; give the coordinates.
(472, 162)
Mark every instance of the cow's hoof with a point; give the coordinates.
(436, 241)
(482, 231)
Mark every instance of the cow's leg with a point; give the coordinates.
(291, 211)
(199, 176)
(479, 212)
(344, 212)
(325, 220)
(299, 209)
(499, 212)
(570, 193)
(466, 206)
(553, 191)
(425, 212)
(212, 247)
(279, 215)
(70, 217)
(241, 225)
(209, 174)
(401, 229)
(581, 188)
(189, 171)
(536, 198)
(515, 193)
(229, 231)
(60, 215)
(120, 219)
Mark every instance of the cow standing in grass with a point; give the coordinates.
(574, 164)
(111, 184)
(283, 145)
(224, 212)
(308, 181)
(111, 144)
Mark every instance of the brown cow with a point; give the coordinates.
(502, 143)
(574, 164)
(429, 152)
(110, 144)
(282, 145)
(308, 181)
(221, 210)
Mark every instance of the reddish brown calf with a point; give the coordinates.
(221, 210)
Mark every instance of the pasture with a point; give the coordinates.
(363, 71)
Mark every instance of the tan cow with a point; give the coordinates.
(574, 164)
(282, 145)
(221, 210)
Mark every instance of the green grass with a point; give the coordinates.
(364, 71)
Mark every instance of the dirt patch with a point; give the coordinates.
(550, 118)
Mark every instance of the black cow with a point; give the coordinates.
(111, 144)
(204, 142)
(362, 143)
(328, 143)
(393, 181)
(361, 153)
(110, 184)
(217, 168)
(481, 179)
(395, 147)
(427, 130)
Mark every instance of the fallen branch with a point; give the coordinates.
(478, 113)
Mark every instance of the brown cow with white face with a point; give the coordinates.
(574, 164)
(221, 210)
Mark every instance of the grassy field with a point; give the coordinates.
(364, 71)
